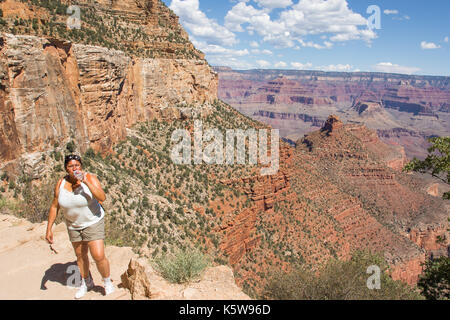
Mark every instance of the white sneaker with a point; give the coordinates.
(109, 288)
(84, 288)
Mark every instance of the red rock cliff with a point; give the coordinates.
(54, 91)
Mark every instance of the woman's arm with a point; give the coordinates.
(94, 185)
(54, 208)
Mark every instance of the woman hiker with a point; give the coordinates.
(79, 194)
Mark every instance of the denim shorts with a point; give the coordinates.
(91, 233)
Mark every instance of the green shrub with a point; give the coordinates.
(71, 147)
(183, 266)
(4, 177)
(90, 153)
(10, 206)
(338, 280)
(37, 200)
(434, 283)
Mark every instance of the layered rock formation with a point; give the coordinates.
(315, 121)
(322, 88)
(370, 171)
(55, 91)
(297, 101)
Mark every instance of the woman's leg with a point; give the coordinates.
(97, 249)
(81, 251)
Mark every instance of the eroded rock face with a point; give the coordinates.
(434, 238)
(54, 91)
(359, 161)
(332, 124)
(41, 103)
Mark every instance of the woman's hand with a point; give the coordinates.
(95, 187)
(49, 236)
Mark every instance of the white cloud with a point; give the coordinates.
(301, 66)
(221, 56)
(254, 44)
(310, 44)
(337, 67)
(388, 11)
(242, 13)
(263, 63)
(329, 68)
(446, 39)
(280, 64)
(272, 4)
(405, 17)
(216, 49)
(234, 63)
(265, 51)
(295, 23)
(389, 67)
(199, 25)
(429, 45)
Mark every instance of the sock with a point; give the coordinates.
(107, 280)
(87, 281)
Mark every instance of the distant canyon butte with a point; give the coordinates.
(404, 110)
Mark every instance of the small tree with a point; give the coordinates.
(437, 162)
(71, 147)
(435, 280)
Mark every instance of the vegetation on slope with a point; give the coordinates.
(103, 27)
(340, 280)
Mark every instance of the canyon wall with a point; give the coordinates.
(54, 91)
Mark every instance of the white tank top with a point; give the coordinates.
(80, 208)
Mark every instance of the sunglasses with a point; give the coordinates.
(72, 157)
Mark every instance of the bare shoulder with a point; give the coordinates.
(58, 184)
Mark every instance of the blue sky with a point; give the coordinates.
(329, 35)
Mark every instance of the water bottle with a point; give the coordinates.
(78, 174)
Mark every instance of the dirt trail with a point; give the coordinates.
(31, 270)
